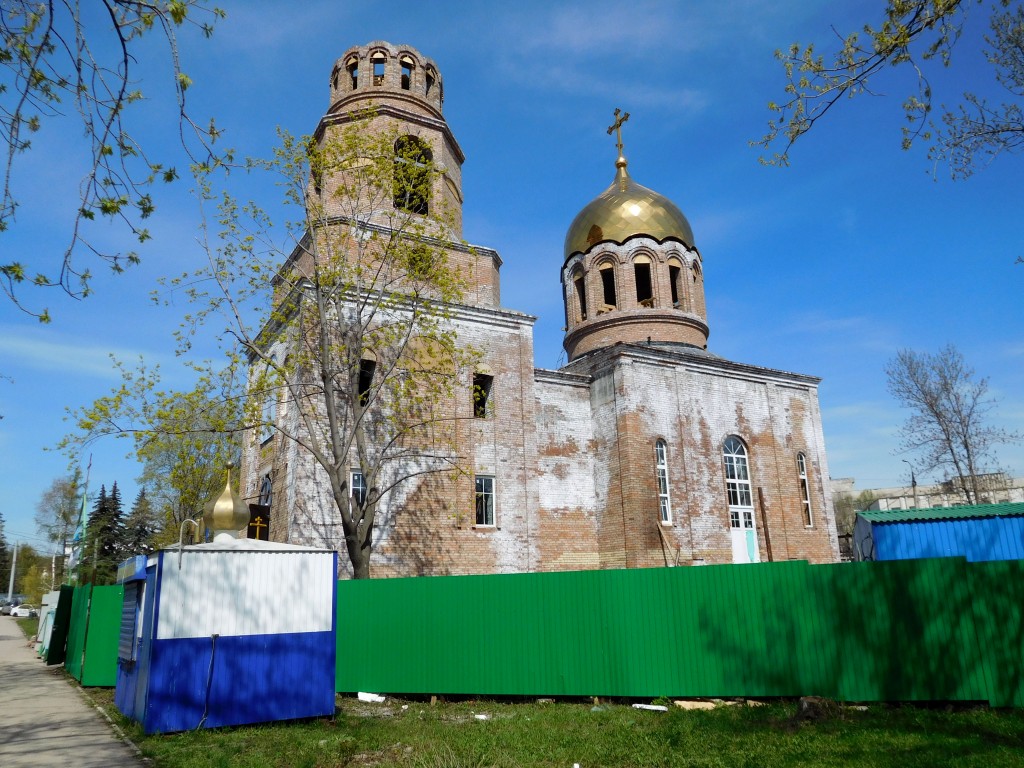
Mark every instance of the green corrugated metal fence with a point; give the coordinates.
(941, 629)
(93, 635)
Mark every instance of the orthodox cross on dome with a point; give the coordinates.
(617, 127)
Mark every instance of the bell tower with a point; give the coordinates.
(401, 91)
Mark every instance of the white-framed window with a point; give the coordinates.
(358, 485)
(805, 490)
(661, 468)
(737, 483)
(485, 500)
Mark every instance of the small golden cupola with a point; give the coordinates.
(632, 272)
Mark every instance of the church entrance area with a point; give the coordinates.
(744, 535)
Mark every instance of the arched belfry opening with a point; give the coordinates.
(412, 175)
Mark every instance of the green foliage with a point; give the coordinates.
(104, 543)
(847, 506)
(54, 61)
(182, 439)
(913, 34)
(27, 559)
(141, 527)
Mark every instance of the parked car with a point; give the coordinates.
(24, 611)
(6, 608)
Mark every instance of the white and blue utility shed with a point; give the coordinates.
(225, 633)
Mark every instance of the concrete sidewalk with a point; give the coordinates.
(46, 721)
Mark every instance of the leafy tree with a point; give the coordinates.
(104, 538)
(357, 361)
(847, 506)
(183, 439)
(948, 427)
(27, 558)
(912, 35)
(57, 515)
(58, 58)
(36, 582)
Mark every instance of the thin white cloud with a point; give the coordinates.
(39, 351)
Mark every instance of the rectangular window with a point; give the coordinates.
(581, 294)
(644, 292)
(366, 369)
(359, 486)
(673, 279)
(484, 500)
(481, 394)
(608, 286)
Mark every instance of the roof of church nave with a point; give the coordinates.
(625, 210)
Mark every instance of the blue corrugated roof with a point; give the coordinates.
(944, 513)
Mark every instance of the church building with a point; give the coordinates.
(645, 450)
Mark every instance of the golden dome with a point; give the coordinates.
(624, 210)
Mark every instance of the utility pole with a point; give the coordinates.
(14, 565)
(913, 481)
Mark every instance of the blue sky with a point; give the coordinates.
(826, 268)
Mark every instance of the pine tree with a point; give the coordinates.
(139, 527)
(105, 538)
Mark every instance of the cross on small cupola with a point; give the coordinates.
(616, 126)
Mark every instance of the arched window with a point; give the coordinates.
(377, 62)
(741, 501)
(406, 66)
(607, 272)
(661, 468)
(675, 280)
(266, 491)
(412, 175)
(431, 78)
(737, 483)
(805, 489)
(581, 293)
(644, 287)
(352, 67)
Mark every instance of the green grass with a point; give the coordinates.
(29, 626)
(410, 733)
